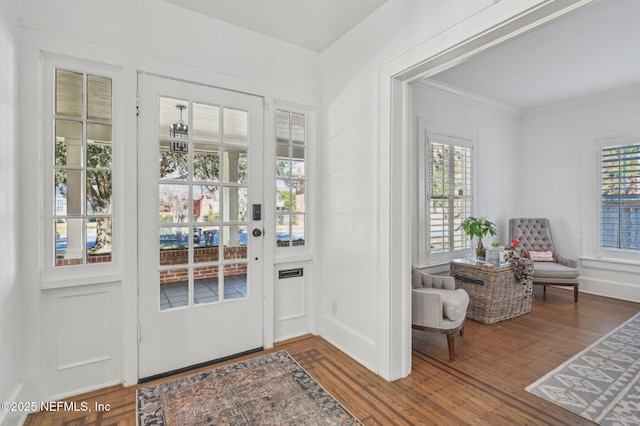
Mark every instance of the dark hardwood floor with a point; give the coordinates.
(483, 386)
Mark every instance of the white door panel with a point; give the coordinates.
(200, 267)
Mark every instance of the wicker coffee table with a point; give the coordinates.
(494, 293)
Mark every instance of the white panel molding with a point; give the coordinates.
(81, 339)
(290, 305)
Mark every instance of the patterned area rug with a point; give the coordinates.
(271, 389)
(601, 383)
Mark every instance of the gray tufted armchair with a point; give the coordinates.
(535, 234)
(436, 305)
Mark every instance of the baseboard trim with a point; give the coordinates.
(614, 290)
(10, 418)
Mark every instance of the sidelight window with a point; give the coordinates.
(291, 150)
(82, 168)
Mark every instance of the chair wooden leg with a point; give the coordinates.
(462, 330)
(451, 344)
(575, 293)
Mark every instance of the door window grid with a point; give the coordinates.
(203, 196)
(82, 168)
(290, 178)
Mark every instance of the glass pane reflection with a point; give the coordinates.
(235, 126)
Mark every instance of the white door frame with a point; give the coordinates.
(395, 188)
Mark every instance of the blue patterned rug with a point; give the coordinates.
(601, 383)
(271, 389)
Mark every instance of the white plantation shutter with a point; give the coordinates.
(448, 197)
(620, 197)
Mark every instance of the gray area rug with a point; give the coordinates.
(601, 383)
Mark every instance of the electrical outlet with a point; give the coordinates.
(334, 308)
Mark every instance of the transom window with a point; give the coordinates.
(82, 168)
(290, 178)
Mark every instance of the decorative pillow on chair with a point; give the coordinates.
(541, 255)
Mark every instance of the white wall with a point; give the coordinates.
(559, 177)
(155, 37)
(497, 127)
(360, 298)
(10, 225)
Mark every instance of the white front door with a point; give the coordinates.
(199, 190)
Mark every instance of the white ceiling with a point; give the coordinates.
(593, 50)
(313, 24)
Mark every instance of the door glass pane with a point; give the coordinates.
(98, 240)
(98, 98)
(206, 122)
(69, 94)
(206, 163)
(235, 281)
(206, 204)
(172, 165)
(235, 128)
(206, 285)
(283, 235)
(206, 244)
(235, 161)
(99, 154)
(174, 246)
(173, 111)
(235, 242)
(68, 234)
(98, 192)
(68, 144)
(235, 202)
(174, 288)
(174, 203)
(68, 192)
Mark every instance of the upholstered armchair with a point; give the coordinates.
(550, 267)
(437, 306)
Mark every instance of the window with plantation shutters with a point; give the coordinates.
(620, 196)
(446, 195)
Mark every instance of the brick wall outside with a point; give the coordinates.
(100, 258)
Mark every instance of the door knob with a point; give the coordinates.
(256, 232)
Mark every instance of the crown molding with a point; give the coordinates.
(455, 91)
(631, 91)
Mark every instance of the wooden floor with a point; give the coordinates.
(483, 386)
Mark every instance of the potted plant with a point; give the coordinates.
(478, 227)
